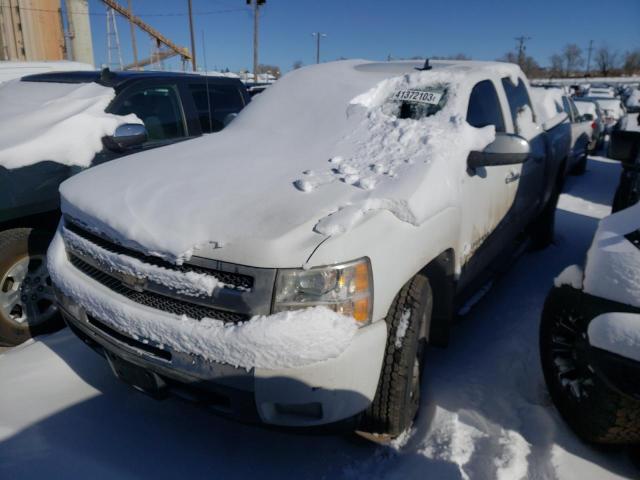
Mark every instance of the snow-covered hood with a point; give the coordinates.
(262, 191)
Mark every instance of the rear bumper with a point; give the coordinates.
(318, 394)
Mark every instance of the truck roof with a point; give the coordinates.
(118, 78)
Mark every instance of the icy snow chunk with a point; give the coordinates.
(617, 333)
(612, 269)
(283, 340)
(62, 123)
(402, 327)
(188, 283)
(304, 185)
(525, 125)
(548, 106)
(571, 276)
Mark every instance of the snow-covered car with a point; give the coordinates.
(53, 125)
(612, 109)
(625, 146)
(590, 110)
(601, 92)
(351, 209)
(633, 101)
(553, 106)
(590, 336)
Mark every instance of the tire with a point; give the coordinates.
(594, 411)
(581, 167)
(27, 306)
(397, 397)
(542, 229)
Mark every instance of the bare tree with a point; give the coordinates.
(572, 55)
(606, 59)
(631, 63)
(557, 65)
(528, 64)
(297, 64)
(271, 69)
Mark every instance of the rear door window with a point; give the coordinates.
(158, 107)
(517, 96)
(222, 99)
(484, 107)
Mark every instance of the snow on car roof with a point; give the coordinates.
(236, 190)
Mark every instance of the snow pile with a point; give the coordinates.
(570, 276)
(526, 125)
(617, 333)
(187, 283)
(62, 123)
(634, 98)
(283, 340)
(613, 262)
(548, 106)
(329, 121)
(402, 327)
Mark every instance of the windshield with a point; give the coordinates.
(416, 103)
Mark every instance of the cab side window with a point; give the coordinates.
(222, 99)
(159, 109)
(484, 107)
(517, 96)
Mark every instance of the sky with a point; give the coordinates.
(374, 29)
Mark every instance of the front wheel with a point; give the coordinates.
(398, 395)
(592, 409)
(27, 305)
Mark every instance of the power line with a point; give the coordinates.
(99, 14)
(589, 57)
(521, 48)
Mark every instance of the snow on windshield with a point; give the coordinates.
(407, 125)
(62, 123)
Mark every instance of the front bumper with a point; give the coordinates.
(319, 394)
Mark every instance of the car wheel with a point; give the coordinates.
(27, 304)
(593, 410)
(397, 397)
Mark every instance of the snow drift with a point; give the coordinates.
(58, 122)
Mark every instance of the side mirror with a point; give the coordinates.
(624, 146)
(126, 136)
(506, 149)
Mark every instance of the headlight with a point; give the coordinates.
(345, 288)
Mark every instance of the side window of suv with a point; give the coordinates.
(517, 96)
(223, 100)
(159, 109)
(484, 107)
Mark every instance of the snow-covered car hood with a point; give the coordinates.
(263, 191)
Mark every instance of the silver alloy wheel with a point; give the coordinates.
(26, 292)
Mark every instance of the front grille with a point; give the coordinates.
(230, 279)
(155, 300)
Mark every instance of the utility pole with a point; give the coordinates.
(318, 36)
(589, 58)
(256, 15)
(133, 38)
(521, 48)
(193, 41)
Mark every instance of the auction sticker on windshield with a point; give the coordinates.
(417, 96)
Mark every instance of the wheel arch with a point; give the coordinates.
(441, 274)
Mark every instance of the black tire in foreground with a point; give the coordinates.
(27, 306)
(593, 410)
(398, 395)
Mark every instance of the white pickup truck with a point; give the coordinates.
(292, 269)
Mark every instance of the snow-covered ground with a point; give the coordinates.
(485, 412)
